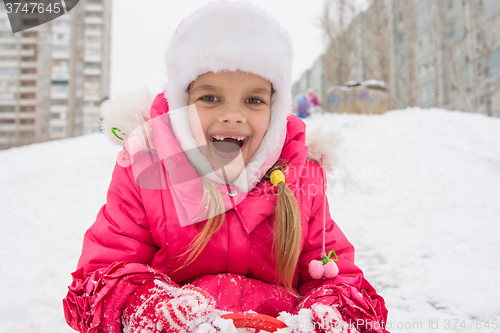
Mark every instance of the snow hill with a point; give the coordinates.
(416, 191)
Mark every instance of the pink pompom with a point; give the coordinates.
(133, 145)
(124, 159)
(331, 270)
(316, 269)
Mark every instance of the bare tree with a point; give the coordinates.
(335, 22)
(488, 83)
(440, 29)
(410, 28)
(477, 94)
(377, 41)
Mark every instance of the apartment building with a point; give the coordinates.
(430, 53)
(54, 77)
(455, 49)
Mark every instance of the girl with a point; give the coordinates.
(214, 206)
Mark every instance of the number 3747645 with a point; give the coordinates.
(33, 7)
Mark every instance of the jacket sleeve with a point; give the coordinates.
(355, 298)
(116, 252)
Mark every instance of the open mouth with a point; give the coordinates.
(228, 146)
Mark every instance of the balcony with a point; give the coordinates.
(8, 102)
(7, 127)
(92, 98)
(91, 110)
(7, 115)
(29, 40)
(10, 53)
(92, 32)
(92, 58)
(62, 75)
(59, 109)
(27, 89)
(28, 102)
(92, 71)
(26, 127)
(28, 64)
(60, 55)
(94, 8)
(28, 53)
(59, 94)
(58, 122)
(93, 20)
(28, 77)
(27, 115)
(10, 64)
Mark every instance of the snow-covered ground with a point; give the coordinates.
(416, 191)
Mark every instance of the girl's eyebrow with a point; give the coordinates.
(260, 90)
(204, 87)
(209, 87)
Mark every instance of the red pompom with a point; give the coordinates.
(316, 269)
(331, 270)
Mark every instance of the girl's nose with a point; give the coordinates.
(232, 115)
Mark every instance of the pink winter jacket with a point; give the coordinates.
(137, 237)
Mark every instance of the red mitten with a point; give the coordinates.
(165, 308)
(330, 320)
(189, 303)
(140, 311)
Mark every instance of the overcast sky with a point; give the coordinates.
(141, 31)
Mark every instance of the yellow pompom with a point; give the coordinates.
(277, 177)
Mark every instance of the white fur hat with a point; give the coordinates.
(230, 36)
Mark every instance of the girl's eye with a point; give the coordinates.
(209, 98)
(254, 100)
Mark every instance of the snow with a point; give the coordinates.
(416, 192)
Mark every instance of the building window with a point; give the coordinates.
(8, 46)
(420, 45)
(27, 121)
(402, 60)
(93, 14)
(451, 29)
(6, 58)
(5, 108)
(58, 129)
(59, 102)
(401, 37)
(93, 39)
(7, 97)
(92, 65)
(8, 71)
(60, 48)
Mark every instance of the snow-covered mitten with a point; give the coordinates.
(301, 322)
(328, 319)
(189, 303)
(140, 311)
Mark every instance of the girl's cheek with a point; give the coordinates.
(198, 126)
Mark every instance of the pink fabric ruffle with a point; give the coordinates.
(366, 312)
(95, 303)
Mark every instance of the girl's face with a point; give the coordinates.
(234, 110)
